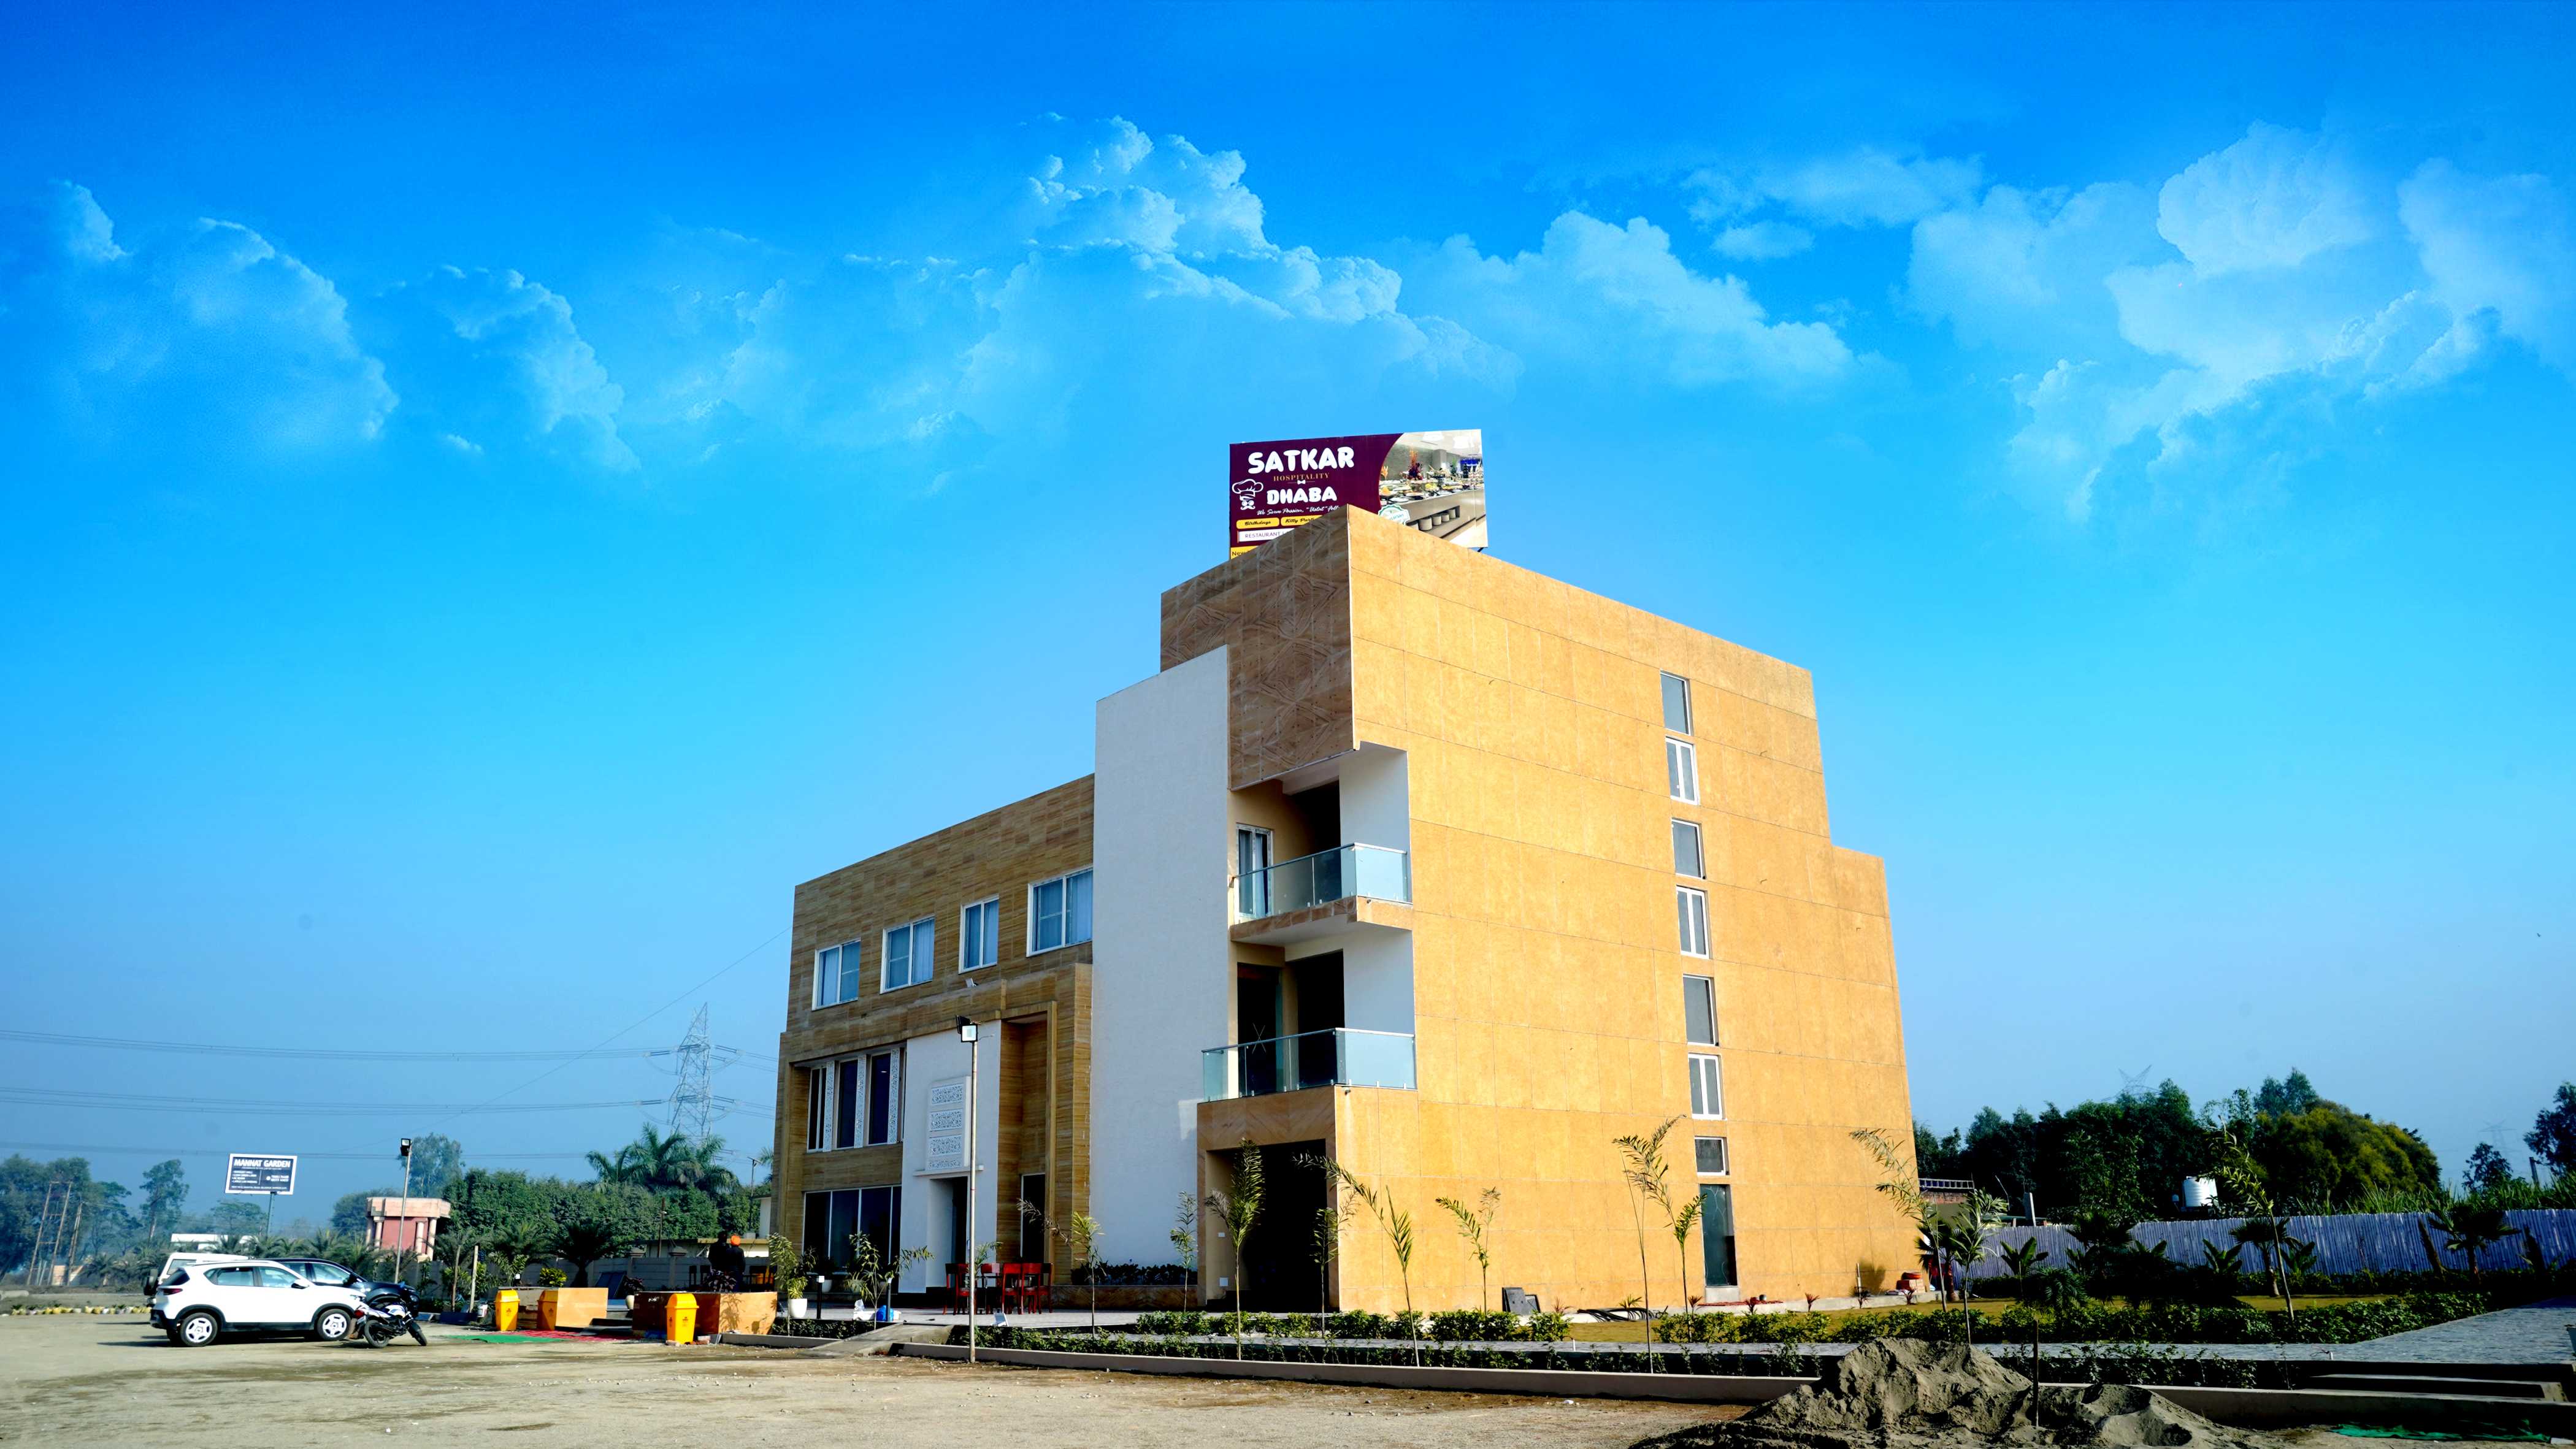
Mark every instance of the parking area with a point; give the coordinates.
(104, 1381)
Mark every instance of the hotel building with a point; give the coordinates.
(1409, 858)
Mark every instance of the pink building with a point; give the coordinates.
(407, 1225)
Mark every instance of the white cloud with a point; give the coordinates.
(1861, 187)
(210, 334)
(2500, 246)
(2266, 272)
(1762, 241)
(2272, 200)
(1616, 296)
(507, 361)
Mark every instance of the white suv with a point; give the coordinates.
(199, 1302)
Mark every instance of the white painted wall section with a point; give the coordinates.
(928, 1061)
(1161, 857)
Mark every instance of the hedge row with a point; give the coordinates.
(2092, 1322)
(1464, 1325)
(2116, 1363)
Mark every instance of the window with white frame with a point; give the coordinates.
(1708, 1095)
(1677, 704)
(979, 934)
(1060, 911)
(836, 974)
(907, 954)
(855, 1102)
(818, 1108)
(1681, 770)
(885, 1098)
(1692, 905)
(1711, 1156)
(1699, 1010)
(1687, 859)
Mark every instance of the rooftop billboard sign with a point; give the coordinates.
(1430, 481)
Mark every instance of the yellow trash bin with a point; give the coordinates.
(680, 1319)
(505, 1310)
(549, 1308)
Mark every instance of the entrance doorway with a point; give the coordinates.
(1282, 1270)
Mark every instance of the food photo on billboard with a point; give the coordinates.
(1431, 481)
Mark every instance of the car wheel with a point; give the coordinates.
(195, 1330)
(331, 1324)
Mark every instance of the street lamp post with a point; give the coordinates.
(405, 1209)
(966, 1033)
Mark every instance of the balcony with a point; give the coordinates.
(1341, 1057)
(1349, 885)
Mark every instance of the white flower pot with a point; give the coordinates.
(795, 1307)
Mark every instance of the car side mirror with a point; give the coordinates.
(294, 1285)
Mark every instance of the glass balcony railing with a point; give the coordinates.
(1342, 1057)
(1327, 875)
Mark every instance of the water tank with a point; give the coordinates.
(2200, 1192)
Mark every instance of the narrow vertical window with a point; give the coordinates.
(1677, 704)
(1693, 907)
(1687, 859)
(1699, 1010)
(845, 1104)
(1717, 1235)
(979, 935)
(884, 1102)
(1681, 770)
(818, 1097)
(1708, 1096)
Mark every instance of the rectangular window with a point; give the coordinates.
(1693, 907)
(1681, 770)
(1677, 711)
(1717, 1235)
(885, 1099)
(845, 1104)
(979, 934)
(818, 1098)
(1712, 1156)
(1686, 852)
(1060, 911)
(817, 1242)
(1699, 1010)
(907, 954)
(844, 1223)
(1708, 1094)
(836, 974)
(880, 1209)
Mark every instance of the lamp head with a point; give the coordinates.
(966, 1028)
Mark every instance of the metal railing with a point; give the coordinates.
(1376, 871)
(1341, 1057)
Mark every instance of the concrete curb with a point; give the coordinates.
(2244, 1408)
(1535, 1383)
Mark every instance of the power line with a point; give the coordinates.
(284, 1107)
(565, 1054)
(220, 1152)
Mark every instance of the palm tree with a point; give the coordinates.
(1240, 1207)
(2268, 1234)
(2468, 1230)
(1472, 1225)
(585, 1241)
(1642, 1164)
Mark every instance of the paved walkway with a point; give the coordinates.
(2535, 1333)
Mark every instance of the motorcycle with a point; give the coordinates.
(386, 1319)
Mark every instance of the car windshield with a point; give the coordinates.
(330, 1274)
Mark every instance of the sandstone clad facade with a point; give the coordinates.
(1419, 861)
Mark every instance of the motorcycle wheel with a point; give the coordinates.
(417, 1336)
(377, 1333)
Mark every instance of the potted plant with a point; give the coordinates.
(873, 1278)
(787, 1266)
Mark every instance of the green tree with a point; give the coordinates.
(436, 1162)
(599, 1220)
(2329, 1155)
(2552, 1137)
(1647, 1172)
(165, 1200)
(2487, 1170)
(2467, 1230)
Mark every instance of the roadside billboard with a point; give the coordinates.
(260, 1172)
(1430, 481)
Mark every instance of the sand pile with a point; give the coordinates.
(1903, 1394)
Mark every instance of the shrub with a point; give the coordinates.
(1475, 1325)
(1178, 1323)
(1549, 1327)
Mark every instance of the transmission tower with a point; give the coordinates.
(693, 1095)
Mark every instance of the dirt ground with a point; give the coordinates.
(105, 1381)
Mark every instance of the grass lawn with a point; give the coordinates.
(1991, 1307)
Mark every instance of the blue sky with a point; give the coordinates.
(492, 504)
